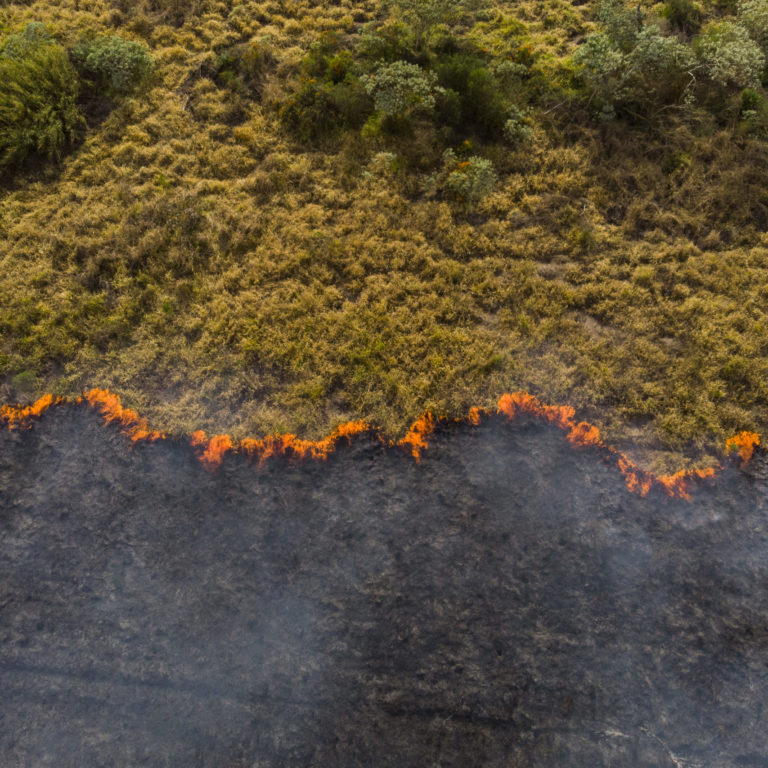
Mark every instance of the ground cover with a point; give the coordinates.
(222, 270)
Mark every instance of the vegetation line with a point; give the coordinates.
(211, 451)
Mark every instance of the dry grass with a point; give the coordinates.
(192, 257)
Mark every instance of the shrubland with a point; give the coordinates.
(263, 216)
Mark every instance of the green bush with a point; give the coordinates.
(38, 98)
(729, 57)
(516, 129)
(632, 66)
(482, 107)
(400, 88)
(684, 15)
(111, 64)
(753, 16)
(425, 15)
(389, 42)
(466, 180)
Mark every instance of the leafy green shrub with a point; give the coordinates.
(482, 107)
(466, 180)
(111, 64)
(684, 15)
(754, 112)
(400, 88)
(516, 129)
(634, 67)
(23, 45)
(601, 66)
(330, 95)
(658, 68)
(391, 41)
(621, 24)
(753, 16)
(38, 98)
(729, 57)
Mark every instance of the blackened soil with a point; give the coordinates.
(504, 603)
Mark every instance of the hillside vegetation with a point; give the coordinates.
(259, 216)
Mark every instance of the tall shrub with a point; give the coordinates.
(38, 98)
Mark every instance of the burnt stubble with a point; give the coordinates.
(505, 602)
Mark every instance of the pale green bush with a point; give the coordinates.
(753, 16)
(516, 129)
(470, 180)
(401, 88)
(113, 65)
(729, 57)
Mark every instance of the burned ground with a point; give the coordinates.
(504, 602)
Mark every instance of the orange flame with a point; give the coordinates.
(22, 417)
(131, 424)
(292, 446)
(416, 437)
(678, 485)
(745, 443)
(211, 451)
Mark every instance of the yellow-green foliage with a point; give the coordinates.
(197, 258)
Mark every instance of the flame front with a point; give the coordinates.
(582, 434)
(21, 417)
(211, 451)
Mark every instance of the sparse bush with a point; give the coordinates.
(38, 99)
(469, 180)
(241, 67)
(400, 88)
(516, 129)
(684, 15)
(112, 65)
(729, 57)
(311, 112)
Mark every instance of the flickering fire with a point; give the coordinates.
(211, 451)
(745, 443)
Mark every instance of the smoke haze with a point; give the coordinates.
(504, 602)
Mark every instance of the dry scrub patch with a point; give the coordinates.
(193, 257)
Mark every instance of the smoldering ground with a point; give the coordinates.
(505, 602)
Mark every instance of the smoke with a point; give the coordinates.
(505, 601)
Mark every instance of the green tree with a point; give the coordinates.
(38, 99)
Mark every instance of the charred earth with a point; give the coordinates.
(504, 602)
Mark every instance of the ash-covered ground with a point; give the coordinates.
(506, 602)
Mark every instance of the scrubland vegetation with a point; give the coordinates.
(263, 216)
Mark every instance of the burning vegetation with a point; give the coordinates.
(212, 450)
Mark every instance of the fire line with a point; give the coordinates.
(211, 450)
